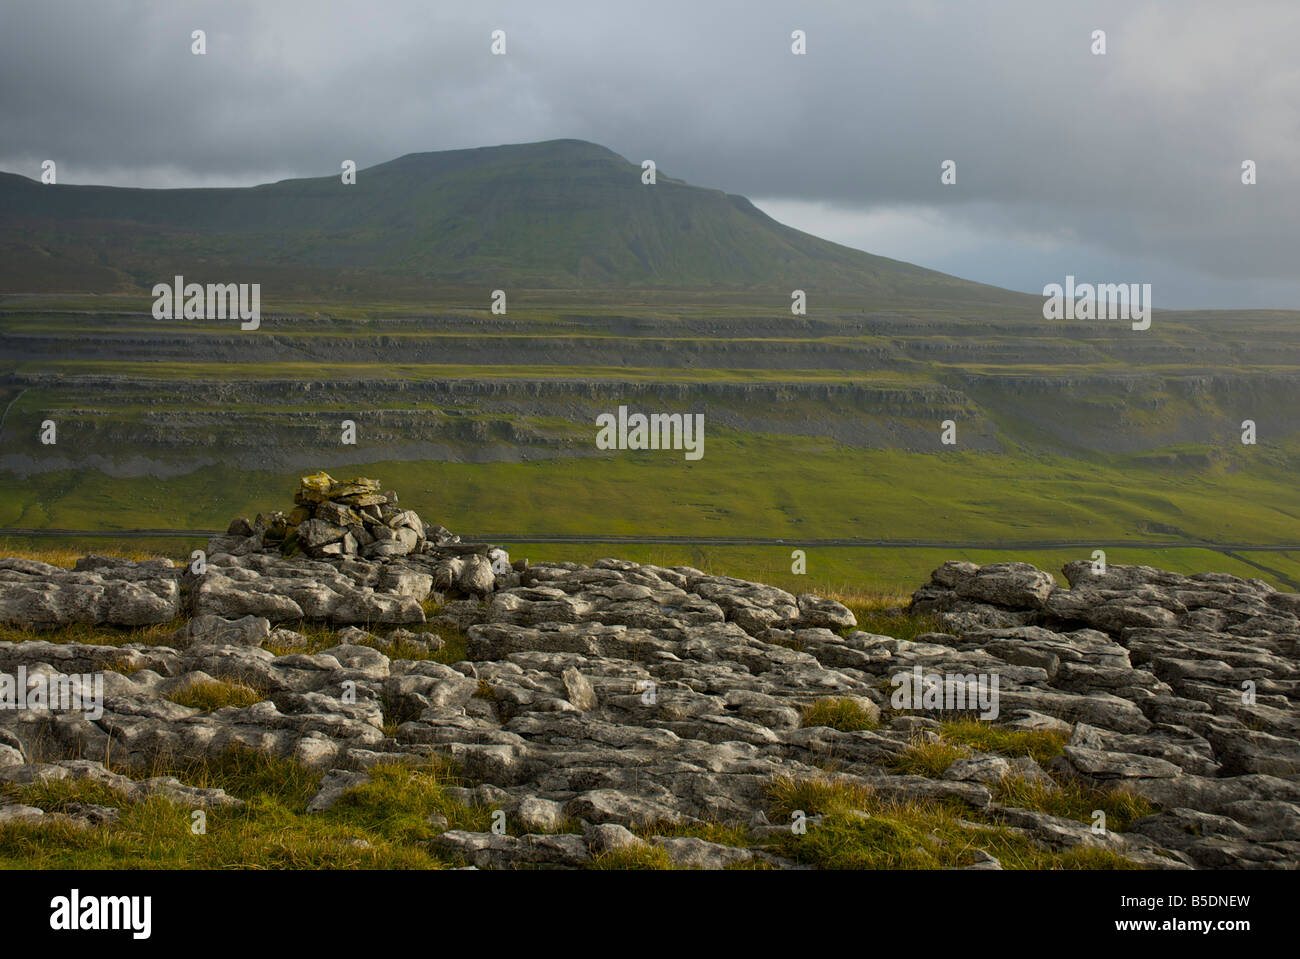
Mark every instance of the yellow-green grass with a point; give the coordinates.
(925, 836)
(723, 833)
(382, 824)
(65, 553)
(861, 831)
(928, 759)
(887, 618)
(814, 796)
(797, 489)
(1062, 796)
(217, 694)
(960, 738)
(91, 634)
(1040, 745)
(794, 488)
(637, 857)
(1073, 800)
(846, 715)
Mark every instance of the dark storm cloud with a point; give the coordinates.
(1063, 157)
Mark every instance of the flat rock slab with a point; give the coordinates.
(127, 594)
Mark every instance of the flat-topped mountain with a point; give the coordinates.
(557, 214)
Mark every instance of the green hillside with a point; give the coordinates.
(558, 214)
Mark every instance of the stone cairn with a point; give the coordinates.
(352, 518)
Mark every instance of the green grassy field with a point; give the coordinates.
(821, 427)
(746, 485)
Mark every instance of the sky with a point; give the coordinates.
(1122, 167)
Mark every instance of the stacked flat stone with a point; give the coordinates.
(351, 518)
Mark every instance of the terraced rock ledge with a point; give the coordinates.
(626, 714)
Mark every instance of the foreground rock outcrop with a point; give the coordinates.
(620, 695)
(98, 591)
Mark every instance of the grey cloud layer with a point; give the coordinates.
(1135, 154)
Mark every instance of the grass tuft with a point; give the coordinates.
(1072, 800)
(92, 635)
(885, 618)
(846, 715)
(815, 796)
(928, 759)
(208, 696)
(633, 857)
(1040, 745)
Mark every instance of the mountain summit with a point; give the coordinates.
(556, 214)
